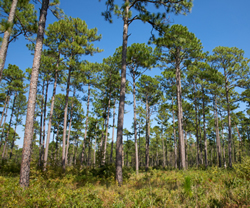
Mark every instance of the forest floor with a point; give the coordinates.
(214, 187)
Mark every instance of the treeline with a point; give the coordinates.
(195, 101)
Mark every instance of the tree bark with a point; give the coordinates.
(86, 126)
(6, 37)
(135, 129)
(147, 134)
(204, 128)
(217, 132)
(229, 123)
(50, 119)
(175, 141)
(41, 127)
(106, 135)
(122, 99)
(13, 141)
(197, 131)
(7, 135)
(65, 120)
(6, 114)
(94, 162)
(44, 115)
(70, 122)
(5, 103)
(180, 115)
(240, 143)
(113, 135)
(163, 149)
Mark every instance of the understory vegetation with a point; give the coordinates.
(89, 187)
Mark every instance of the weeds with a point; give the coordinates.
(87, 187)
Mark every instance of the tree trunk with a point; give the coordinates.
(94, 162)
(70, 122)
(28, 135)
(135, 129)
(13, 141)
(113, 135)
(201, 154)
(50, 118)
(217, 132)
(86, 126)
(6, 114)
(44, 116)
(5, 103)
(197, 132)
(229, 123)
(204, 127)
(175, 141)
(122, 99)
(240, 143)
(180, 115)
(163, 149)
(7, 135)
(147, 135)
(139, 156)
(65, 120)
(6, 37)
(41, 127)
(106, 135)
(89, 152)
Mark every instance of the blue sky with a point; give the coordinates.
(214, 22)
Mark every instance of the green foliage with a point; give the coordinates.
(96, 188)
(243, 169)
(25, 21)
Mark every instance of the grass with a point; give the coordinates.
(157, 188)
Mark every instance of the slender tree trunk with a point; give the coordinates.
(6, 37)
(201, 147)
(167, 163)
(102, 137)
(229, 123)
(13, 141)
(113, 135)
(127, 152)
(41, 127)
(70, 122)
(135, 129)
(3, 127)
(7, 135)
(217, 131)
(197, 132)
(5, 103)
(86, 126)
(89, 151)
(175, 141)
(139, 154)
(50, 118)
(147, 134)
(204, 128)
(122, 99)
(94, 162)
(44, 116)
(224, 154)
(56, 148)
(180, 115)
(163, 149)
(240, 143)
(65, 120)
(186, 150)
(106, 135)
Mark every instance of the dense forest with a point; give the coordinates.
(189, 139)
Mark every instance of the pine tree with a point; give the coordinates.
(182, 46)
(235, 67)
(157, 21)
